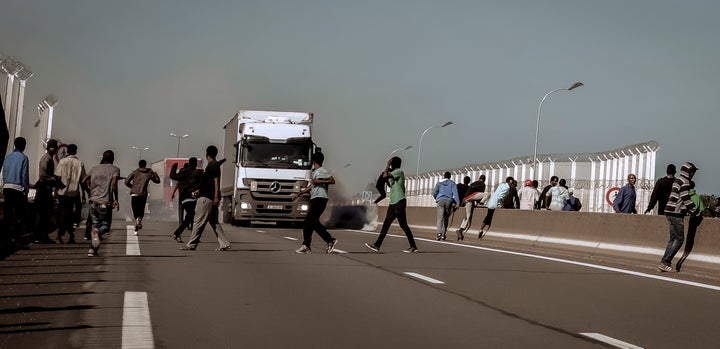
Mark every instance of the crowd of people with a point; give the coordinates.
(64, 186)
(675, 197)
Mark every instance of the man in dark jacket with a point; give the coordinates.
(661, 191)
(138, 181)
(543, 203)
(475, 195)
(679, 205)
(188, 181)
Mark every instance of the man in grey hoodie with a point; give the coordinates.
(447, 199)
(138, 181)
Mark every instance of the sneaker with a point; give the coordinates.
(331, 246)
(177, 238)
(439, 237)
(410, 250)
(664, 268)
(95, 238)
(223, 248)
(460, 234)
(135, 233)
(303, 250)
(188, 248)
(92, 253)
(139, 224)
(373, 247)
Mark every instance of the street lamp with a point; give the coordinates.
(537, 126)
(417, 169)
(177, 155)
(141, 151)
(399, 149)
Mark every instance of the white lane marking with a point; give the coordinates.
(595, 266)
(260, 231)
(424, 278)
(612, 341)
(136, 326)
(132, 248)
(339, 251)
(289, 238)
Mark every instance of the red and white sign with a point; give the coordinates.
(611, 194)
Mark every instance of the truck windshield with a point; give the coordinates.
(276, 155)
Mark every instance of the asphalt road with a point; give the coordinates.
(262, 295)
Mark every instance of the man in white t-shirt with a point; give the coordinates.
(318, 190)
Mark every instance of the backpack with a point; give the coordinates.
(575, 203)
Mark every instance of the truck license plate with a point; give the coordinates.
(274, 207)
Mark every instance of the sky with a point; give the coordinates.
(376, 74)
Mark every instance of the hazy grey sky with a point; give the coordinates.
(376, 74)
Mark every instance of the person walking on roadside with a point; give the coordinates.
(188, 182)
(661, 191)
(16, 184)
(397, 206)
(542, 200)
(693, 224)
(102, 181)
(496, 200)
(70, 171)
(557, 196)
(512, 201)
(45, 193)
(447, 199)
(462, 189)
(572, 203)
(474, 196)
(625, 200)
(318, 189)
(138, 181)
(206, 209)
(679, 205)
(528, 196)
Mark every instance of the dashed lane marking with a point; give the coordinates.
(289, 238)
(132, 248)
(612, 341)
(424, 278)
(339, 251)
(136, 325)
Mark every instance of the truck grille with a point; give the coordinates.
(274, 190)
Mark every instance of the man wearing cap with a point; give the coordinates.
(45, 193)
(528, 196)
(679, 205)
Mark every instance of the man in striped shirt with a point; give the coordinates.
(679, 205)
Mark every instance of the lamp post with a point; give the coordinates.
(417, 168)
(177, 155)
(399, 149)
(537, 126)
(141, 151)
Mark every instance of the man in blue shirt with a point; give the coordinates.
(625, 200)
(16, 184)
(447, 199)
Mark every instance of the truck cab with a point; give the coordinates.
(270, 153)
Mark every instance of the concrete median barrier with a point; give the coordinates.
(633, 236)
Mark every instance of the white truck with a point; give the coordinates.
(268, 160)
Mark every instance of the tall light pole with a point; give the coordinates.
(537, 126)
(177, 155)
(399, 149)
(417, 168)
(141, 151)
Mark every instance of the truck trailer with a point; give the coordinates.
(268, 160)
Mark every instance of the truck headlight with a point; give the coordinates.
(303, 207)
(245, 206)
